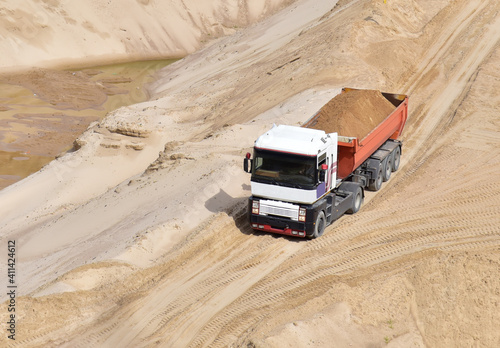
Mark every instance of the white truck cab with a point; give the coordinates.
(292, 169)
(290, 164)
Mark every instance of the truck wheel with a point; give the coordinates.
(387, 168)
(376, 184)
(396, 158)
(319, 226)
(357, 201)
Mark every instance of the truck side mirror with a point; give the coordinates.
(247, 163)
(322, 172)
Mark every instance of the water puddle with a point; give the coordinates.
(43, 111)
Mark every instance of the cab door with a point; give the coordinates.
(332, 162)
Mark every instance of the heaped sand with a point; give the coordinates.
(352, 114)
(140, 238)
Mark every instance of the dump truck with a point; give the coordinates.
(305, 178)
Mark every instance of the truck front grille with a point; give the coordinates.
(287, 210)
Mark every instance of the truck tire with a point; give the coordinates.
(387, 170)
(396, 158)
(376, 184)
(319, 226)
(357, 201)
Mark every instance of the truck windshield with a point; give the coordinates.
(284, 169)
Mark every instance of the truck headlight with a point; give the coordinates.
(302, 214)
(255, 207)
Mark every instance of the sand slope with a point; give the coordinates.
(48, 32)
(151, 248)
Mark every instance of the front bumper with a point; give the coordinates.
(280, 225)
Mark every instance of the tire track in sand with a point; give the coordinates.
(188, 297)
(470, 42)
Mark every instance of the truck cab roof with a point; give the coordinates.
(292, 139)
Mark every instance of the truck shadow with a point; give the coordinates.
(237, 209)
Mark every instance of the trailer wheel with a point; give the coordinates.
(357, 201)
(319, 226)
(396, 158)
(387, 168)
(376, 183)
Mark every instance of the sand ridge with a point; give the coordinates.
(56, 33)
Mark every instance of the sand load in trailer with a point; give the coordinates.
(364, 120)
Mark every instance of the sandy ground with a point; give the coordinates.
(125, 247)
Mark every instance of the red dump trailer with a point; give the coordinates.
(304, 178)
(352, 152)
